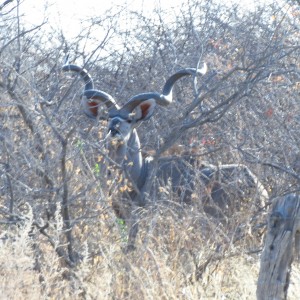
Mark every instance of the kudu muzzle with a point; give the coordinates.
(114, 127)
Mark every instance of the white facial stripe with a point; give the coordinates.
(118, 118)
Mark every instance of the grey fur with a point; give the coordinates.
(125, 150)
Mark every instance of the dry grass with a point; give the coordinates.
(173, 260)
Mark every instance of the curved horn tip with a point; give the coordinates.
(203, 70)
(66, 67)
(70, 67)
(66, 62)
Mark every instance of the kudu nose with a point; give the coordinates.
(114, 127)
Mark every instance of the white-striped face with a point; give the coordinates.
(120, 126)
(120, 129)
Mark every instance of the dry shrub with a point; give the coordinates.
(17, 278)
(49, 156)
(180, 255)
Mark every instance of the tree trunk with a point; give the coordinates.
(278, 253)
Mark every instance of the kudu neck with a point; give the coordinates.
(133, 160)
(129, 156)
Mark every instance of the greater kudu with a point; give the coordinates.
(124, 149)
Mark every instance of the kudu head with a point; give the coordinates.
(123, 120)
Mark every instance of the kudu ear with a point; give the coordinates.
(144, 110)
(90, 107)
